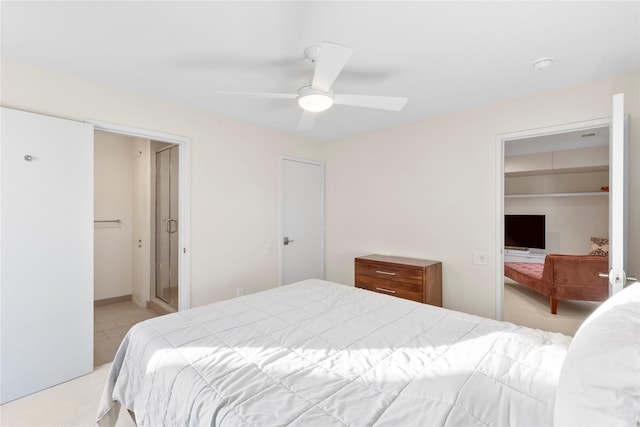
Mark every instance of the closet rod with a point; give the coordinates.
(106, 220)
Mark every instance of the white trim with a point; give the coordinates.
(280, 204)
(137, 132)
(184, 198)
(184, 237)
(551, 130)
(500, 196)
(500, 139)
(618, 202)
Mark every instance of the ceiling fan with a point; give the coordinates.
(329, 59)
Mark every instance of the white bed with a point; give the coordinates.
(318, 353)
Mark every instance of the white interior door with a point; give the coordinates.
(46, 256)
(302, 239)
(618, 184)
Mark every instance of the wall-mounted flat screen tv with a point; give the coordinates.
(524, 231)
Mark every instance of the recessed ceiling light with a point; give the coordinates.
(542, 63)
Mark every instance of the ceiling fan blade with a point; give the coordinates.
(262, 94)
(306, 120)
(331, 60)
(393, 103)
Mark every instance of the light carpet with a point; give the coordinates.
(525, 307)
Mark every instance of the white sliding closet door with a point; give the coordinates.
(46, 258)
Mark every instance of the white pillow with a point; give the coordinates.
(599, 381)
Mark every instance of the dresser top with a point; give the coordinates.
(414, 262)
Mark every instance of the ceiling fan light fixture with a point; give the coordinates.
(315, 103)
(313, 100)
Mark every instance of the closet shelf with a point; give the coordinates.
(584, 193)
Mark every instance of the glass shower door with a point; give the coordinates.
(167, 225)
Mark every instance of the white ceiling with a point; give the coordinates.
(443, 56)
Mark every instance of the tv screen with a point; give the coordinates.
(524, 231)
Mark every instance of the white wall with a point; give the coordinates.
(121, 191)
(113, 197)
(141, 223)
(428, 189)
(570, 220)
(235, 171)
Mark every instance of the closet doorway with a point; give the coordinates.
(158, 264)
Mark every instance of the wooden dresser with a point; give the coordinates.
(415, 279)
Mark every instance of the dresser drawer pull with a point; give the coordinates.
(386, 290)
(385, 272)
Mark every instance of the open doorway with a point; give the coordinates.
(158, 170)
(559, 174)
(137, 233)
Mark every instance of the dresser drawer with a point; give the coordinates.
(390, 272)
(390, 287)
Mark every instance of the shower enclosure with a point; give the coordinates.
(166, 225)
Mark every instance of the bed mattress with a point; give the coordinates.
(317, 353)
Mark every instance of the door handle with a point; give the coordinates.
(287, 241)
(617, 278)
(170, 229)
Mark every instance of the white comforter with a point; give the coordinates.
(318, 353)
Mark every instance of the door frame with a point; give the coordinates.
(281, 204)
(618, 197)
(184, 197)
(501, 139)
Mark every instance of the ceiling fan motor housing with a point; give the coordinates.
(312, 53)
